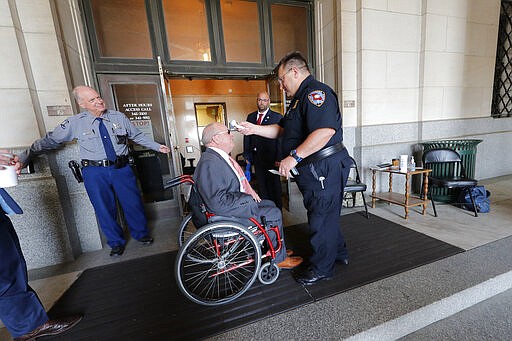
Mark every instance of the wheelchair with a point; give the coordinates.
(220, 257)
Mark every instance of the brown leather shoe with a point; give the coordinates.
(290, 262)
(289, 252)
(52, 327)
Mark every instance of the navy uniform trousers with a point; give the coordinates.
(103, 185)
(21, 310)
(324, 206)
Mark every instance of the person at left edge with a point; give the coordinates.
(21, 311)
(105, 177)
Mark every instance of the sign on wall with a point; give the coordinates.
(140, 115)
(59, 110)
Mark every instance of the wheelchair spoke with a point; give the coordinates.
(204, 253)
(218, 265)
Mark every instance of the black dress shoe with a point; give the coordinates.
(52, 327)
(310, 276)
(146, 240)
(117, 251)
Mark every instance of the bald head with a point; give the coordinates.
(210, 131)
(77, 91)
(217, 135)
(89, 99)
(263, 101)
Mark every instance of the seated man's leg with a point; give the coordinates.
(273, 216)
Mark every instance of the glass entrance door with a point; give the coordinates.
(142, 100)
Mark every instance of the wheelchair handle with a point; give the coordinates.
(178, 180)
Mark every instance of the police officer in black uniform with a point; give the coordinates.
(314, 154)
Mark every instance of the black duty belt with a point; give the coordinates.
(120, 162)
(322, 154)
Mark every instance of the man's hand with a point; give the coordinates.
(8, 159)
(247, 128)
(286, 165)
(18, 165)
(271, 131)
(256, 197)
(164, 149)
(5, 158)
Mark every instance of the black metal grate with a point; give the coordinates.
(502, 94)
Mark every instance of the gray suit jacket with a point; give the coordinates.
(220, 188)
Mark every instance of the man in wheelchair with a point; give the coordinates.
(226, 192)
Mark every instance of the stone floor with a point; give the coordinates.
(453, 225)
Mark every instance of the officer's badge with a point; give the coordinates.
(317, 97)
(116, 126)
(64, 123)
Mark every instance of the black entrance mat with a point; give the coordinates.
(139, 299)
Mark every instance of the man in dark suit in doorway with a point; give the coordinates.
(264, 153)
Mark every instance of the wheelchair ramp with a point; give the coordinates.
(139, 299)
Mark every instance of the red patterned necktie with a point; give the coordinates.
(246, 185)
(260, 118)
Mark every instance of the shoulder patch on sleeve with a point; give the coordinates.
(64, 124)
(317, 97)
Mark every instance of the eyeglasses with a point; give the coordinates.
(281, 79)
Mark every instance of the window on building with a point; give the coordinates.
(122, 28)
(502, 92)
(290, 30)
(242, 38)
(241, 31)
(187, 30)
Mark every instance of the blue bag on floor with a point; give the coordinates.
(481, 196)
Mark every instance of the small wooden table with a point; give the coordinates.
(405, 200)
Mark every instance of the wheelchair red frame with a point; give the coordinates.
(220, 260)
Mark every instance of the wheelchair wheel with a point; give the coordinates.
(218, 263)
(268, 273)
(187, 229)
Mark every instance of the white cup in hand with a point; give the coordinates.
(8, 176)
